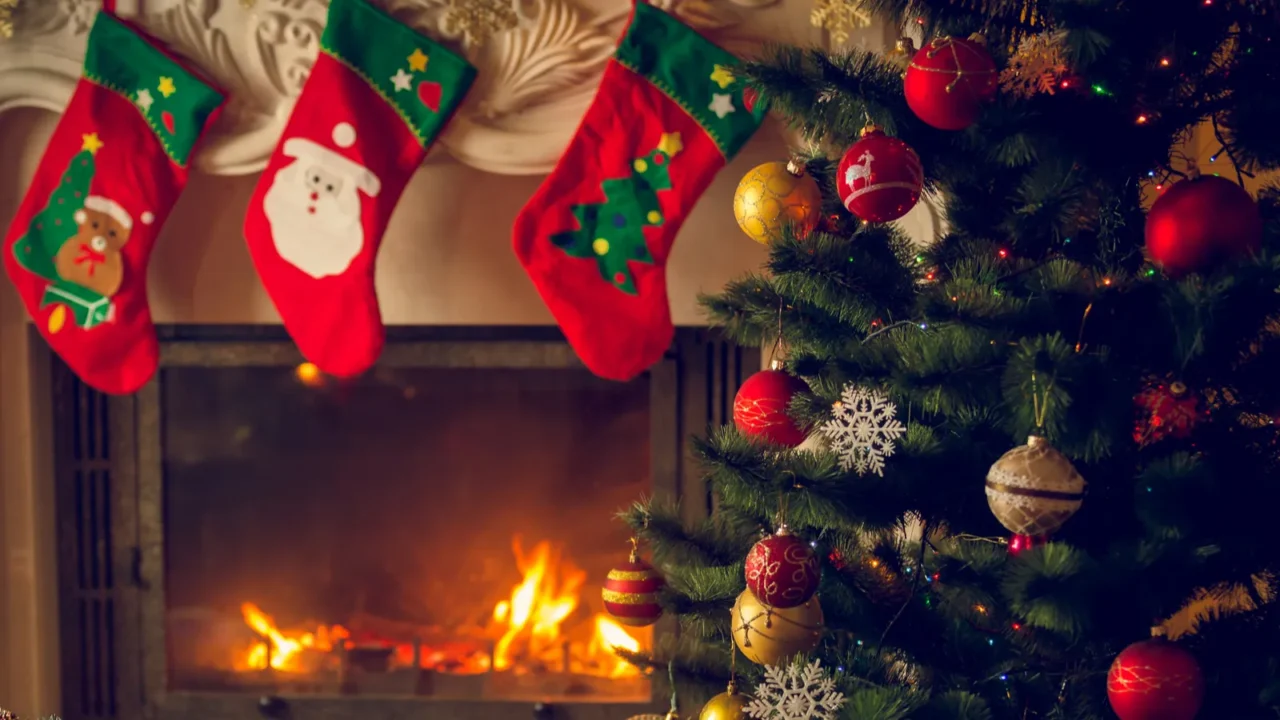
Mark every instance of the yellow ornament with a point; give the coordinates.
(1033, 489)
(728, 705)
(775, 194)
(769, 635)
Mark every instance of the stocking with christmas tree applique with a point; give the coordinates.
(595, 237)
(377, 97)
(78, 249)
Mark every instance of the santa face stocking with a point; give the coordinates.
(377, 96)
(595, 237)
(78, 249)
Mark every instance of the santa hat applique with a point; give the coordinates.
(107, 207)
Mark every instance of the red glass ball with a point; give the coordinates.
(782, 571)
(879, 178)
(948, 81)
(631, 594)
(1155, 680)
(760, 408)
(1200, 223)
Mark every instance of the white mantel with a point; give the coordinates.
(446, 258)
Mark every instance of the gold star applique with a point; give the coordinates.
(670, 144)
(91, 142)
(418, 60)
(722, 76)
(167, 87)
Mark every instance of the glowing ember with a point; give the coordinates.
(541, 627)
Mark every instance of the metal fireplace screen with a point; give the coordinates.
(252, 538)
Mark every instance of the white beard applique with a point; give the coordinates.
(313, 206)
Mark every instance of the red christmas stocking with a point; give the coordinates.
(595, 237)
(378, 95)
(78, 249)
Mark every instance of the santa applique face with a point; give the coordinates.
(313, 205)
(92, 257)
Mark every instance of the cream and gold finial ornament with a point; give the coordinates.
(476, 21)
(839, 17)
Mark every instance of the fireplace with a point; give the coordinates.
(247, 537)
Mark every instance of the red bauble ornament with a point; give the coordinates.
(1165, 409)
(1155, 680)
(948, 81)
(1200, 222)
(879, 178)
(760, 408)
(782, 570)
(631, 593)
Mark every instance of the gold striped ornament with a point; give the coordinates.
(631, 592)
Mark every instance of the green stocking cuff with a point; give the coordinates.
(693, 72)
(418, 77)
(172, 100)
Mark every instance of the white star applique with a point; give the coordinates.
(144, 100)
(721, 105)
(402, 80)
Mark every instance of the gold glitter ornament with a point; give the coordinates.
(768, 635)
(775, 194)
(7, 10)
(476, 21)
(728, 705)
(1038, 66)
(1034, 489)
(838, 17)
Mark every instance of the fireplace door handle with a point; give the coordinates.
(135, 569)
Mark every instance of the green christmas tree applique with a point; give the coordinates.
(612, 232)
(50, 229)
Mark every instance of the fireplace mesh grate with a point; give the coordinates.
(88, 582)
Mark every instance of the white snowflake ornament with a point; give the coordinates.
(797, 692)
(862, 429)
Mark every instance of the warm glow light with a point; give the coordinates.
(1004, 253)
(1106, 281)
(280, 649)
(1165, 62)
(1142, 119)
(309, 375)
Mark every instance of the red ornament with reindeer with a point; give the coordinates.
(949, 80)
(880, 177)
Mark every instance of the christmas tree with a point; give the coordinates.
(612, 232)
(1037, 440)
(56, 223)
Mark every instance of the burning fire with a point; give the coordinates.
(542, 626)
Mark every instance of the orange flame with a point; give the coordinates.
(528, 631)
(284, 650)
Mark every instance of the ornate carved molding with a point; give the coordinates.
(534, 84)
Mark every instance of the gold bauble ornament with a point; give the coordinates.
(775, 194)
(769, 635)
(728, 705)
(1033, 489)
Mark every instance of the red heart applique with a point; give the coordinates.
(749, 97)
(429, 94)
(166, 118)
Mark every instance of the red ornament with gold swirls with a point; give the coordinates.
(1155, 680)
(949, 80)
(760, 408)
(782, 570)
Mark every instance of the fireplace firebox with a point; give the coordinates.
(246, 537)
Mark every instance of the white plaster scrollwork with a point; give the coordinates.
(535, 80)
